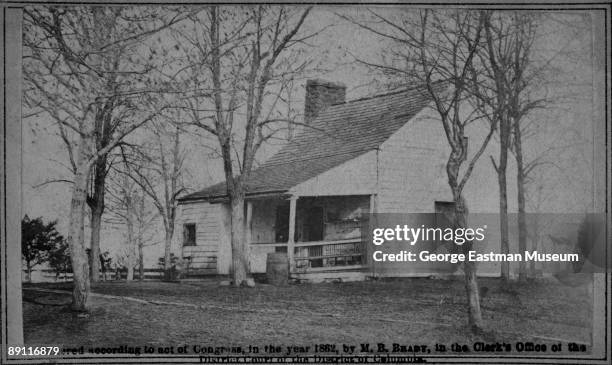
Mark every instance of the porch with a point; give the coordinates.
(321, 235)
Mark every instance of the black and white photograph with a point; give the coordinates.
(300, 182)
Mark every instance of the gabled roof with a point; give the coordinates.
(339, 134)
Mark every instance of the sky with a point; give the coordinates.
(565, 131)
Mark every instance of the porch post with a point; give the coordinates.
(291, 240)
(248, 220)
(247, 231)
(373, 207)
(371, 224)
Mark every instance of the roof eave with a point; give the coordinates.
(215, 199)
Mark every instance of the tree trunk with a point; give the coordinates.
(167, 250)
(532, 265)
(473, 297)
(94, 259)
(238, 239)
(469, 268)
(140, 260)
(78, 255)
(130, 264)
(96, 204)
(503, 208)
(453, 166)
(520, 184)
(130, 241)
(130, 273)
(522, 230)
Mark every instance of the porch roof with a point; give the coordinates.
(339, 134)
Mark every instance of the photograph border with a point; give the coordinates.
(11, 189)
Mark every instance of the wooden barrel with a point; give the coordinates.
(277, 268)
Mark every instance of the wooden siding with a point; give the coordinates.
(412, 177)
(412, 169)
(207, 218)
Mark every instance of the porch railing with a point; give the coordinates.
(321, 255)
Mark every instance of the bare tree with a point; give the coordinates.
(125, 208)
(510, 39)
(497, 62)
(129, 209)
(499, 82)
(521, 103)
(438, 49)
(520, 76)
(241, 62)
(87, 69)
(157, 168)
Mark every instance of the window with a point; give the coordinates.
(189, 234)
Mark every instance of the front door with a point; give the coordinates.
(314, 224)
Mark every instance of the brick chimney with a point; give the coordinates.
(319, 95)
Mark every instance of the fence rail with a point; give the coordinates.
(149, 274)
(330, 254)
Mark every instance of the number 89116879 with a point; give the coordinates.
(33, 350)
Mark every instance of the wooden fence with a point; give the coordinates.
(149, 274)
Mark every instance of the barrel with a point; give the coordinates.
(277, 268)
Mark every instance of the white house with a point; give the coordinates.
(380, 154)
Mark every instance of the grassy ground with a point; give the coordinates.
(407, 311)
